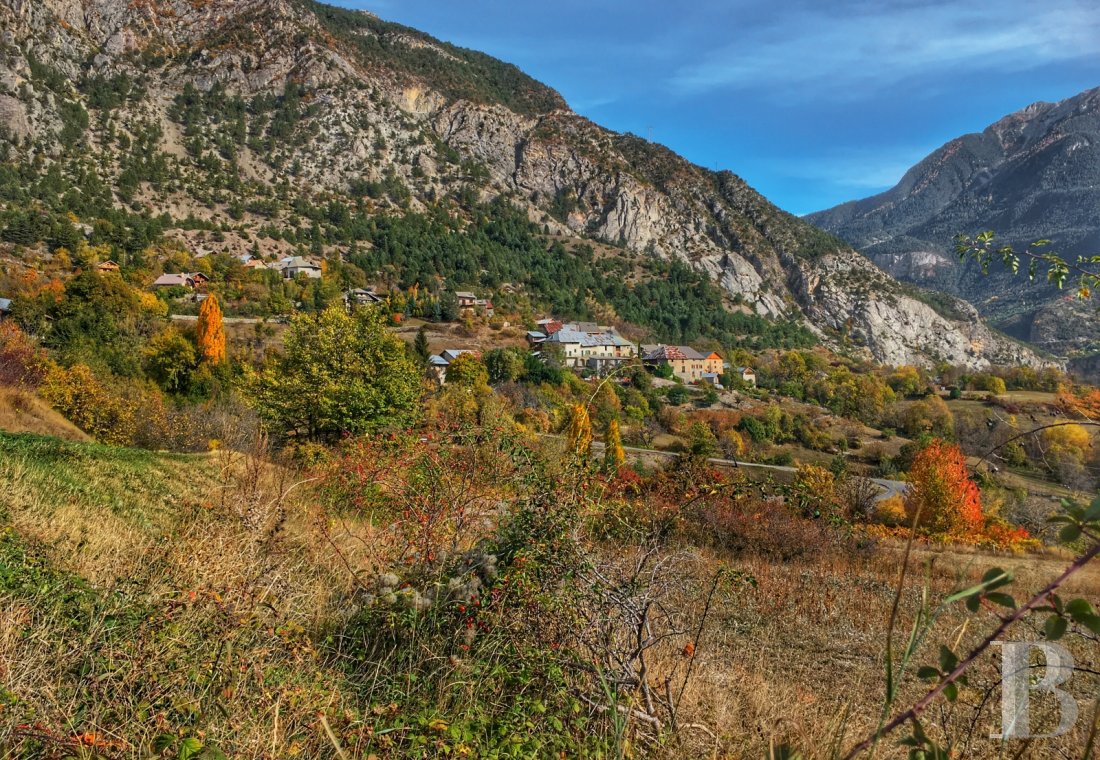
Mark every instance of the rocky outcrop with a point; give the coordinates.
(385, 102)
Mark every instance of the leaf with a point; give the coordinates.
(1077, 608)
(189, 748)
(928, 673)
(1069, 533)
(951, 692)
(1055, 628)
(1092, 622)
(1093, 512)
(1005, 600)
(948, 660)
(996, 577)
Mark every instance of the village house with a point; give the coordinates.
(466, 299)
(292, 266)
(596, 351)
(5, 308)
(361, 297)
(438, 363)
(179, 280)
(108, 266)
(549, 326)
(686, 363)
(469, 302)
(747, 375)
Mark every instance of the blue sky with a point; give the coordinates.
(813, 103)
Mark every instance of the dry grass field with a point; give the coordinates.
(148, 601)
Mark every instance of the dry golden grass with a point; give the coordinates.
(23, 412)
(798, 659)
(232, 587)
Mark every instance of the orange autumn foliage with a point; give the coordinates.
(210, 332)
(1086, 403)
(948, 501)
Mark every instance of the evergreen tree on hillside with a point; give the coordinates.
(420, 345)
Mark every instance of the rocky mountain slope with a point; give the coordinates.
(244, 112)
(1030, 176)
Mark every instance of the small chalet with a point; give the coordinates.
(466, 299)
(469, 302)
(5, 308)
(180, 280)
(108, 266)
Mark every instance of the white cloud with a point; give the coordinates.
(862, 47)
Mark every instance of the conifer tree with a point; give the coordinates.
(210, 332)
(420, 345)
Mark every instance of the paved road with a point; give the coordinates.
(889, 487)
(226, 320)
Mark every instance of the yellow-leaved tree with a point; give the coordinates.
(580, 431)
(613, 454)
(209, 332)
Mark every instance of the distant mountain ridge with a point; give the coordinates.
(1032, 175)
(244, 110)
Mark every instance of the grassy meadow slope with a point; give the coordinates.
(156, 604)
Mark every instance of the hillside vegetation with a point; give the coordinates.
(204, 129)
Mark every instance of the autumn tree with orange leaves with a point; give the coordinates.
(210, 332)
(942, 498)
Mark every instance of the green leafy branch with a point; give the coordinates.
(983, 249)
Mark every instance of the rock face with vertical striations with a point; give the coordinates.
(1033, 175)
(373, 102)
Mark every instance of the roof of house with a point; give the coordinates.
(298, 262)
(743, 370)
(464, 294)
(437, 361)
(536, 335)
(367, 294)
(714, 355)
(670, 353)
(168, 280)
(450, 354)
(565, 335)
(5, 304)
